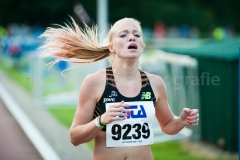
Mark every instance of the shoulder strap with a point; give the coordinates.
(144, 78)
(110, 77)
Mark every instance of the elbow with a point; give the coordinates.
(73, 139)
(76, 139)
(169, 132)
(75, 143)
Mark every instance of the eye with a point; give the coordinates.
(137, 35)
(123, 35)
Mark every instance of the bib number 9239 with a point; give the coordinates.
(139, 131)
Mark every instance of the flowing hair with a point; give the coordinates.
(73, 44)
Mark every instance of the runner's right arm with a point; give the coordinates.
(83, 127)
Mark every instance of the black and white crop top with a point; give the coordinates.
(112, 95)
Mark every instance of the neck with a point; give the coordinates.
(127, 72)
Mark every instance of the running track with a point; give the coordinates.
(14, 144)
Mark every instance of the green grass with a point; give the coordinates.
(161, 151)
(24, 80)
(173, 150)
(64, 115)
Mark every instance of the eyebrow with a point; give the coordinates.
(128, 31)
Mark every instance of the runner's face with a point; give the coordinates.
(127, 40)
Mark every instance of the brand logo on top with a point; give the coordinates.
(146, 95)
(110, 99)
(113, 94)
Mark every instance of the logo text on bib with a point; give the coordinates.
(140, 113)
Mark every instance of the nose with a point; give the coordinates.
(131, 38)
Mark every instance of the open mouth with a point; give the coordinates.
(132, 46)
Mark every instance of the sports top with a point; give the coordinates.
(111, 93)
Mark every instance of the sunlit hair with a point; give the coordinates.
(73, 44)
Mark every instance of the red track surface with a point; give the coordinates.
(14, 144)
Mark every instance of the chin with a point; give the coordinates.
(134, 56)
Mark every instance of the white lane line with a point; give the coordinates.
(28, 127)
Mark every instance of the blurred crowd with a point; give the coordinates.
(184, 31)
(17, 39)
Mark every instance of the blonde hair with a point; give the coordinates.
(73, 44)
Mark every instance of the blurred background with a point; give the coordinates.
(193, 45)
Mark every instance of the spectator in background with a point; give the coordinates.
(172, 32)
(15, 51)
(14, 44)
(159, 30)
(194, 33)
(229, 32)
(218, 33)
(184, 31)
(3, 32)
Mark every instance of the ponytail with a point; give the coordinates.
(73, 44)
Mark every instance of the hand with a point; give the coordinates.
(113, 113)
(189, 117)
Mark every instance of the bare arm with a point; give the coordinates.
(83, 128)
(170, 124)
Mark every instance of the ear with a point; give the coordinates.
(111, 49)
(143, 45)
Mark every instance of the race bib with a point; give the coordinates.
(136, 129)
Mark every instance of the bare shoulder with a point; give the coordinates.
(96, 78)
(94, 84)
(157, 84)
(155, 80)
